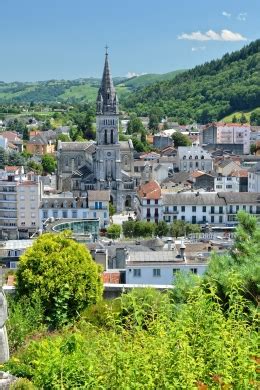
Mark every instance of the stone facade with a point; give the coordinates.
(106, 164)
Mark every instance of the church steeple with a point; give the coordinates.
(107, 99)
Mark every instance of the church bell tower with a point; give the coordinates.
(107, 161)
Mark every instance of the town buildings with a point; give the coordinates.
(230, 136)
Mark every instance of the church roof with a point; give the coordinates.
(107, 98)
(77, 146)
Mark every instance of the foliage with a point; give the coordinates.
(61, 274)
(35, 167)
(48, 163)
(207, 92)
(138, 229)
(241, 267)
(255, 117)
(161, 229)
(180, 139)
(134, 125)
(114, 231)
(25, 318)
(63, 138)
(198, 345)
(181, 228)
(112, 209)
(22, 384)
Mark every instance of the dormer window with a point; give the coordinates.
(190, 158)
(184, 157)
(202, 157)
(196, 157)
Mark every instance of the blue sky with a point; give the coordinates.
(56, 39)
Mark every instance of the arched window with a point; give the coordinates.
(184, 157)
(126, 160)
(112, 136)
(106, 136)
(196, 157)
(202, 157)
(108, 96)
(190, 158)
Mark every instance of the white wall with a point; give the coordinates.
(253, 182)
(226, 184)
(166, 272)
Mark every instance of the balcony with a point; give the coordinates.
(171, 212)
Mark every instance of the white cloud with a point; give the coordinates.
(242, 16)
(223, 35)
(199, 48)
(129, 75)
(226, 14)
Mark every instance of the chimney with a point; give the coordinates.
(182, 251)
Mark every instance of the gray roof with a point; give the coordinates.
(71, 146)
(65, 203)
(210, 198)
(177, 178)
(193, 198)
(126, 145)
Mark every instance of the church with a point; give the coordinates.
(107, 163)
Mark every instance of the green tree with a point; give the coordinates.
(243, 119)
(177, 228)
(112, 209)
(161, 229)
(255, 117)
(180, 139)
(134, 125)
(26, 136)
(253, 148)
(114, 231)
(35, 167)
(234, 119)
(48, 163)
(61, 274)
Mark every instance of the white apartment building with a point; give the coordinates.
(193, 158)
(209, 207)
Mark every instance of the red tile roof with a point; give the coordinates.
(150, 190)
(239, 173)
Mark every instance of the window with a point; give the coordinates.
(33, 223)
(220, 209)
(197, 164)
(194, 270)
(112, 136)
(100, 205)
(55, 214)
(13, 264)
(148, 201)
(212, 209)
(175, 270)
(212, 219)
(84, 214)
(137, 272)
(193, 219)
(74, 214)
(174, 208)
(45, 214)
(184, 157)
(64, 214)
(156, 201)
(183, 217)
(220, 219)
(194, 209)
(229, 178)
(32, 215)
(156, 272)
(219, 186)
(204, 219)
(244, 207)
(229, 186)
(183, 209)
(32, 197)
(105, 215)
(237, 208)
(21, 197)
(204, 209)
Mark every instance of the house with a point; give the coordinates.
(192, 158)
(226, 166)
(161, 141)
(39, 145)
(203, 180)
(149, 202)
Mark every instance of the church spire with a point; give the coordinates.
(107, 99)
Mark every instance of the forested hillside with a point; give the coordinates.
(207, 92)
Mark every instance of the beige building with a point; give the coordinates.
(19, 203)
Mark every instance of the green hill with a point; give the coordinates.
(81, 90)
(207, 92)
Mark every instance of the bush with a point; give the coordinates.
(22, 384)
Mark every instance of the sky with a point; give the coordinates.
(65, 39)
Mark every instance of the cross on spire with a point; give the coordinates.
(106, 47)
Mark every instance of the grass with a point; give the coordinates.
(228, 118)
